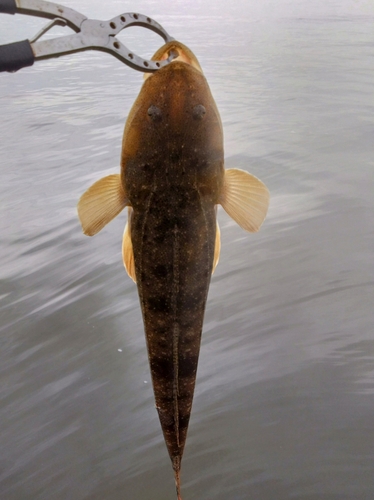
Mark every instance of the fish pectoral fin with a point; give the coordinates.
(101, 203)
(217, 248)
(127, 250)
(245, 198)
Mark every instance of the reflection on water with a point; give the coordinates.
(284, 402)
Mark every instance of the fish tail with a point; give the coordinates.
(176, 467)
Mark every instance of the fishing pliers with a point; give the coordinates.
(89, 34)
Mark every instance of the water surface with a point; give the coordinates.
(284, 404)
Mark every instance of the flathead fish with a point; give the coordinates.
(172, 179)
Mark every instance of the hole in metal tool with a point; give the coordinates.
(139, 41)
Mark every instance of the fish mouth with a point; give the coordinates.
(180, 52)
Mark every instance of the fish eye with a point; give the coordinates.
(198, 112)
(154, 113)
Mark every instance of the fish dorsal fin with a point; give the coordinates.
(127, 250)
(101, 203)
(217, 248)
(245, 198)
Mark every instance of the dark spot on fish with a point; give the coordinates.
(183, 420)
(162, 367)
(158, 303)
(198, 112)
(154, 113)
(162, 342)
(182, 203)
(175, 155)
(187, 367)
(160, 271)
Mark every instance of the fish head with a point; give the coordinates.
(174, 127)
(180, 89)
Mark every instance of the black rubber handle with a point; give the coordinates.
(8, 6)
(15, 56)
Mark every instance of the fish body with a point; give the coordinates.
(172, 179)
(172, 168)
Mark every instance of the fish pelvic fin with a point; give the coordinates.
(217, 247)
(127, 250)
(245, 198)
(103, 201)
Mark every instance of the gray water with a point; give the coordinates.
(284, 404)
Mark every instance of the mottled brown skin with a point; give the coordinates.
(172, 173)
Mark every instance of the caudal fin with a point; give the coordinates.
(178, 484)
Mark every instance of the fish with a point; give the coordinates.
(172, 179)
